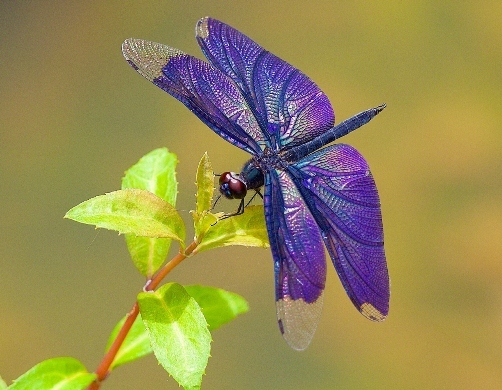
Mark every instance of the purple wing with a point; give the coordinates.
(299, 261)
(338, 185)
(206, 91)
(290, 108)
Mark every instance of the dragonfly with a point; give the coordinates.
(316, 194)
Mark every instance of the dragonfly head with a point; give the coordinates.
(232, 186)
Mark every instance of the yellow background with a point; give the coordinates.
(74, 116)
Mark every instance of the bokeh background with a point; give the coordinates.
(74, 117)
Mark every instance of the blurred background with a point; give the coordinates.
(74, 116)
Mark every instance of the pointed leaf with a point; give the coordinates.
(135, 345)
(178, 333)
(217, 305)
(246, 229)
(203, 219)
(205, 184)
(154, 172)
(62, 373)
(3, 385)
(131, 211)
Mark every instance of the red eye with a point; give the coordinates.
(231, 186)
(237, 188)
(225, 177)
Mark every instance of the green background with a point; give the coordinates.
(74, 117)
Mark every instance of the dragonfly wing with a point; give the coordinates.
(290, 108)
(299, 261)
(337, 183)
(206, 91)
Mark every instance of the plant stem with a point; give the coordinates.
(169, 266)
(104, 367)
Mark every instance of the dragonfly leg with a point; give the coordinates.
(257, 192)
(216, 201)
(239, 211)
(242, 206)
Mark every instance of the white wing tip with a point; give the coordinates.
(148, 58)
(298, 320)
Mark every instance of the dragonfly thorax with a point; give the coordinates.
(252, 174)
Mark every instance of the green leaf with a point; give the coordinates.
(135, 345)
(205, 184)
(246, 229)
(154, 172)
(217, 305)
(178, 333)
(203, 219)
(62, 373)
(3, 385)
(132, 211)
(148, 254)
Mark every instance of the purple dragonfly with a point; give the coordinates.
(313, 193)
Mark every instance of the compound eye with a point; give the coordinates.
(237, 188)
(225, 177)
(231, 186)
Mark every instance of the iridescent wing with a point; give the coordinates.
(299, 261)
(290, 108)
(337, 184)
(206, 91)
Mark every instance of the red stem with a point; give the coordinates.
(104, 367)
